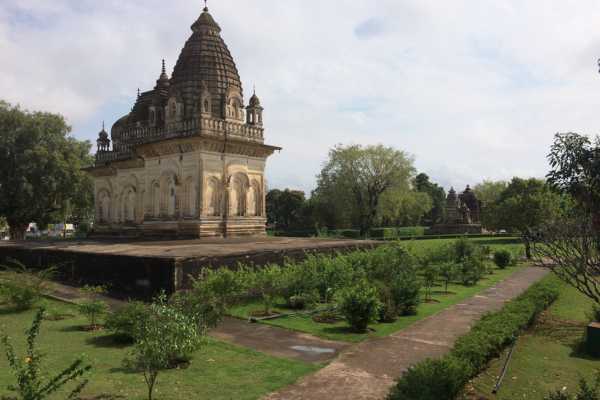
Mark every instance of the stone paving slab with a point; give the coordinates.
(368, 370)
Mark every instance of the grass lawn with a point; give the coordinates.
(218, 371)
(339, 330)
(514, 245)
(547, 357)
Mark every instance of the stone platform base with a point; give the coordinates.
(140, 269)
(207, 227)
(458, 229)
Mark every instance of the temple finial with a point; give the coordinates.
(102, 124)
(254, 90)
(205, 5)
(164, 70)
(138, 92)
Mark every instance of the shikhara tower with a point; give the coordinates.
(189, 159)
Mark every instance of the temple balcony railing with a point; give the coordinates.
(190, 127)
(103, 157)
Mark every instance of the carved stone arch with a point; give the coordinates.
(254, 199)
(189, 197)
(104, 200)
(168, 193)
(129, 204)
(213, 196)
(238, 190)
(155, 198)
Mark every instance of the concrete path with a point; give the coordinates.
(267, 339)
(368, 370)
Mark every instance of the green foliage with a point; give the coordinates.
(360, 305)
(489, 192)
(125, 321)
(436, 193)
(352, 182)
(594, 313)
(21, 287)
(502, 258)
(92, 307)
(267, 281)
(445, 378)
(41, 178)
(586, 391)
(388, 311)
(442, 379)
(28, 369)
(165, 338)
(430, 274)
(213, 292)
(448, 271)
(287, 209)
(404, 207)
(332, 273)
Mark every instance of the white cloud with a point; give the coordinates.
(473, 90)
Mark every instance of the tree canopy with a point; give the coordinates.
(489, 192)
(355, 177)
(286, 209)
(437, 198)
(41, 178)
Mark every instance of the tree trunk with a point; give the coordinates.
(17, 231)
(527, 248)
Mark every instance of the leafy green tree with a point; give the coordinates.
(27, 370)
(448, 272)
(41, 178)
(286, 208)
(488, 192)
(436, 193)
(164, 337)
(93, 307)
(399, 207)
(354, 179)
(575, 162)
(523, 206)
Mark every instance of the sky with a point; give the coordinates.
(473, 90)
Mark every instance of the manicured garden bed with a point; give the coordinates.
(546, 358)
(217, 371)
(340, 330)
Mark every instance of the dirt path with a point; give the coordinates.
(368, 370)
(267, 339)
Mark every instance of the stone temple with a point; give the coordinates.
(462, 216)
(189, 159)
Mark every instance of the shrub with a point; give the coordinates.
(360, 305)
(430, 274)
(302, 301)
(267, 281)
(448, 271)
(472, 352)
(472, 269)
(389, 310)
(28, 369)
(21, 287)
(333, 273)
(594, 314)
(93, 308)
(298, 284)
(165, 338)
(587, 391)
(125, 321)
(502, 258)
(447, 373)
(384, 233)
(405, 289)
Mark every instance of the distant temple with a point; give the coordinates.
(463, 214)
(189, 159)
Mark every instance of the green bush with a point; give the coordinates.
(472, 352)
(20, 287)
(298, 284)
(360, 305)
(472, 269)
(347, 233)
(389, 310)
(124, 322)
(406, 292)
(92, 307)
(586, 391)
(384, 233)
(502, 258)
(333, 273)
(447, 374)
(267, 282)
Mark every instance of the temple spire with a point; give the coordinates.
(206, 5)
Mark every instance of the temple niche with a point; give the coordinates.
(189, 159)
(462, 216)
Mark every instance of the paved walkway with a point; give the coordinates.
(267, 339)
(368, 370)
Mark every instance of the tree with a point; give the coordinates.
(355, 177)
(163, 337)
(523, 206)
(27, 369)
(488, 192)
(436, 193)
(401, 207)
(285, 208)
(41, 177)
(575, 163)
(569, 244)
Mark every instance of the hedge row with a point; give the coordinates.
(445, 378)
